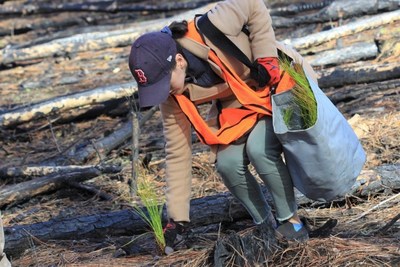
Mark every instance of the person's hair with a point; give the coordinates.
(178, 29)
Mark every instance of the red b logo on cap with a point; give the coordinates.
(142, 79)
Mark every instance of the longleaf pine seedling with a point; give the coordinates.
(303, 96)
(153, 214)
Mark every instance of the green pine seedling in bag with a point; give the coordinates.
(303, 113)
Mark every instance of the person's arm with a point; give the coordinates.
(255, 15)
(178, 147)
(229, 16)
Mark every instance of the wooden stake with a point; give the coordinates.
(135, 151)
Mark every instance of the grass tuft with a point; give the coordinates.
(152, 214)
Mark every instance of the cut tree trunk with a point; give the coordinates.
(362, 91)
(353, 53)
(60, 104)
(100, 6)
(23, 25)
(218, 208)
(332, 77)
(381, 178)
(112, 108)
(296, 8)
(366, 99)
(385, 102)
(90, 41)
(32, 171)
(338, 76)
(204, 211)
(14, 194)
(73, 44)
(101, 40)
(103, 146)
(343, 9)
(345, 30)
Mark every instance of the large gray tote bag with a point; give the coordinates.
(3, 258)
(324, 160)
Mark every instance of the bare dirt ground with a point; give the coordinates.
(367, 234)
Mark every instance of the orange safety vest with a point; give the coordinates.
(234, 122)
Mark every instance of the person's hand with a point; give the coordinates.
(266, 71)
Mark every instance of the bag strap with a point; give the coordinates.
(218, 38)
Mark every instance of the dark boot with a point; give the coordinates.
(292, 232)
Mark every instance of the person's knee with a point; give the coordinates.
(230, 180)
(231, 174)
(255, 152)
(227, 166)
(265, 154)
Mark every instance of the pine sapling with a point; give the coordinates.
(153, 215)
(303, 96)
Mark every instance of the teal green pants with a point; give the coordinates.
(263, 150)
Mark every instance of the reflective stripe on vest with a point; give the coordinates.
(234, 122)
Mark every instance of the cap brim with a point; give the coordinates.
(154, 94)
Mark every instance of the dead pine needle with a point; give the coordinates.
(389, 224)
(374, 207)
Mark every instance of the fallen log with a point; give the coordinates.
(65, 25)
(353, 53)
(14, 194)
(381, 36)
(40, 8)
(101, 40)
(25, 25)
(361, 91)
(384, 102)
(382, 178)
(60, 104)
(332, 77)
(295, 8)
(103, 146)
(113, 108)
(218, 208)
(339, 10)
(100, 6)
(345, 30)
(32, 171)
(204, 211)
(338, 76)
(366, 98)
(77, 43)
(90, 41)
(64, 32)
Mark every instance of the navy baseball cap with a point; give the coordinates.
(150, 61)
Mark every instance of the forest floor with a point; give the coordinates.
(368, 230)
